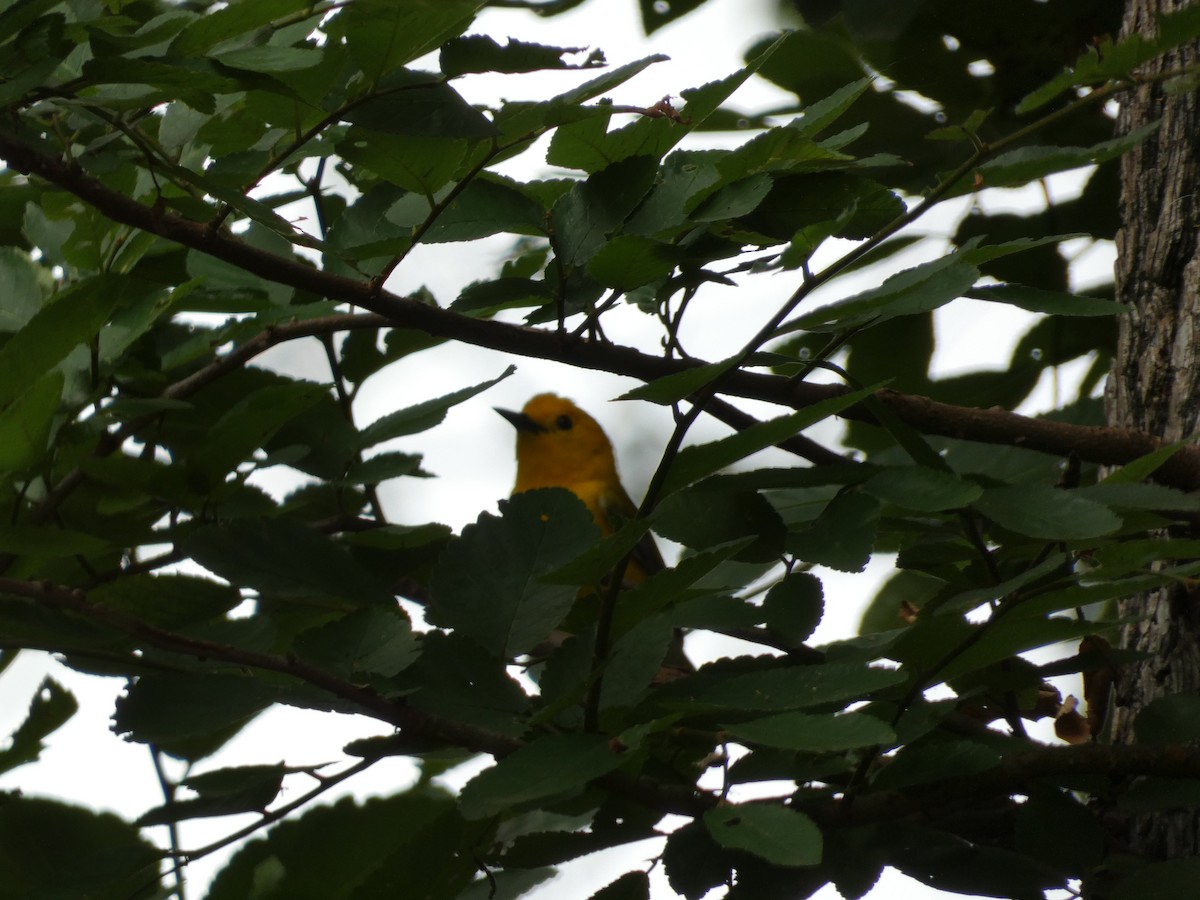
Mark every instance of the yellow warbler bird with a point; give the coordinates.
(559, 445)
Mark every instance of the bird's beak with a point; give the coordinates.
(520, 421)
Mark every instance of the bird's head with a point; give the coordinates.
(558, 444)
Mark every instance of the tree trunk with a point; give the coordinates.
(1155, 382)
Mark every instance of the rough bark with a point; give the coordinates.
(1155, 382)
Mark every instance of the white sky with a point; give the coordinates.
(472, 453)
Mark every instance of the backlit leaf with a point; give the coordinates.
(777, 834)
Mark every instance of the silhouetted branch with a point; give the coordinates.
(1108, 446)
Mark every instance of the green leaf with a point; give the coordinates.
(842, 536)
(73, 318)
(488, 205)
(383, 467)
(1117, 60)
(582, 144)
(733, 200)
(549, 766)
(585, 218)
(777, 150)
(695, 572)
(795, 687)
(480, 53)
(977, 254)
(204, 32)
(1174, 879)
(279, 556)
(777, 834)
(1059, 831)
(1025, 164)
(1130, 495)
(923, 644)
(602, 84)
(589, 146)
(52, 705)
(683, 175)
(358, 850)
(193, 81)
(630, 886)
(964, 132)
(793, 608)
(595, 564)
(635, 659)
(362, 357)
(367, 642)
(1058, 303)
(249, 289)
(223, 792)
(702, 517)
(968, 600)
(677, 386)
(694, 863)
(459, 683)
(422, 416)
(51, 850)
(1049, 513)
(420, 164)
(922, 489)
(188, 715)
(947, 862)
(1052, 601)
(381, 36)
(806, 241)
(25, 423)
(1144, 466)
(694, 463)
(919, 289)
(1169, 720)
(824, 112)
(935, 760)
(489, 584)
(170, 600)
(489, 297)
(251, 423)
(271, 59)
(19, 285)
(43, 541)
(420, 106)
(33, 56)
(1124, 557)
(814, 733)
(628, 261)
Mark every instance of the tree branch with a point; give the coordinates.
(324, 783)
(419, 727)
(111, 441)
(1013, 774)
(1107, 446)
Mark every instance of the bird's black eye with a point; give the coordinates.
(564, 423)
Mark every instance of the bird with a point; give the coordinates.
(560, 445)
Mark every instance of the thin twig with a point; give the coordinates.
(324, 783)
(168, 789)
